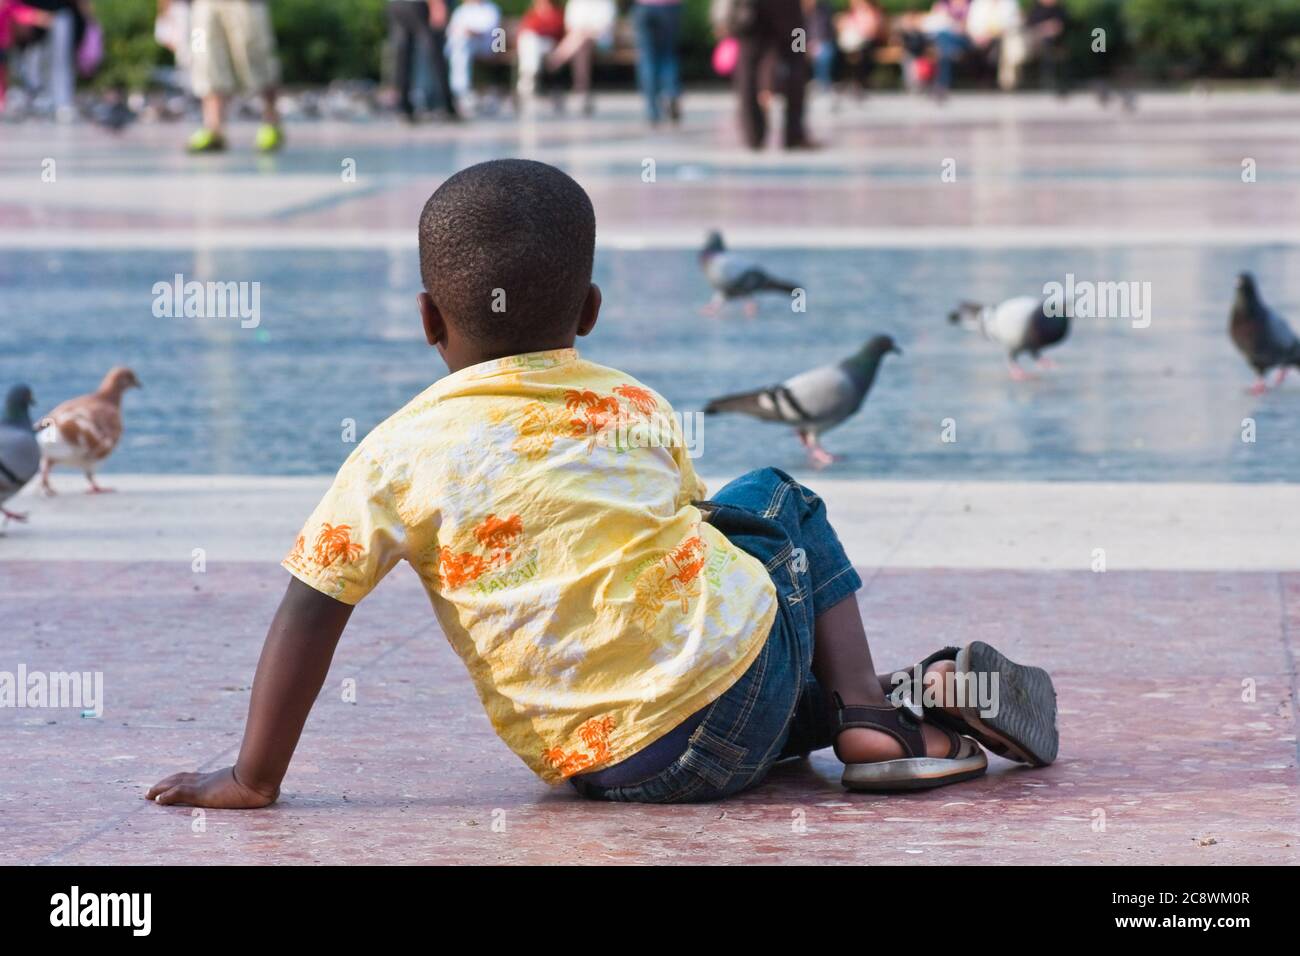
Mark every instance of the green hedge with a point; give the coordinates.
(1169, 40)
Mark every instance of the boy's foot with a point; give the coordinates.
(884, 747)
(205, 141)
(269, 138)
(1014, 714)
(862, 745)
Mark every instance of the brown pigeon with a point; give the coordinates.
(83, 431)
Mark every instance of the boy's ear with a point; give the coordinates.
(590, 310)
(435, 328)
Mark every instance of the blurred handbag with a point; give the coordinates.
(725, 56)
(91, 51)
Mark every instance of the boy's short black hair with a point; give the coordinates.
(506, 250)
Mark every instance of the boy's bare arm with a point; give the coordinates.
(295, 659)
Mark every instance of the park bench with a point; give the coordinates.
(621, 53)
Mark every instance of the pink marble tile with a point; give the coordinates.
(1157, 740)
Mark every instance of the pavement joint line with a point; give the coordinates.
(1291, 664)
(906, 536)
(86, 838)
(117, 821)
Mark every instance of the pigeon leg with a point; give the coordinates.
(46, 487)
(1281, 376)
(95, 488)
(12, 515)
(1047, 364)
(751, 308)
(713, 307)
(819, 455)
(1260, 386)
(1017, 373)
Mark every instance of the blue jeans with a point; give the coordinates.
(777, 709)
(951, 48)
(656, 54)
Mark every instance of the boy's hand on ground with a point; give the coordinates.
(220, 790)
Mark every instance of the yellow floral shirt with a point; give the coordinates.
(545, 502)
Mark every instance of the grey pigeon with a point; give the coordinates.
(1261, 335)
(20, 455)
(113, 114)
(814, 401)
(735, 277)
(1019, 325)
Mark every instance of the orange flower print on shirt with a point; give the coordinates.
(498, 535)
(642, 399)
(457, 570)
(674, 577)
(688, 561)
(537, 428)
(334, 542)
(594, 735)
(598, 413)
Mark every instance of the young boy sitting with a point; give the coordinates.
(623, 634)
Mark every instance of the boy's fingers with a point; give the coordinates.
(181, 793)
(166, 783)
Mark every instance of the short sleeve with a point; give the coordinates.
(353, 538)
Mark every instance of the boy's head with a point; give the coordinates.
(506, 250)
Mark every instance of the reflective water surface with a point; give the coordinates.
(338, 339)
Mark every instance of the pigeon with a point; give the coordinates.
(734, 277)
(113, 114)
(1018, 325)
(1261, 335)
(83, 431)
(20, 456)
(814, 401)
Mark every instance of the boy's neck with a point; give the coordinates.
(462, 357)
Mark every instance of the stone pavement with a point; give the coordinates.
(1162, 759)
(1030, 171)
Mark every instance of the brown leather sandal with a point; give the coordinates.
(1019, 723)
(914, 771)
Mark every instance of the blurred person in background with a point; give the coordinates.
(15, 20)
(764, 30)
(423, 24)
(995, 31)
(171, 30)
(1045, 26)
(945, 25)
(50, 57)
(469, 35)
(657, 24)
(917, 66)
(819, 18)
(233, 46)
(540, 31)
(588, 24)
(859, 30)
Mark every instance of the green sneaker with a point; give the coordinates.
(269, 138)
(206, 141)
